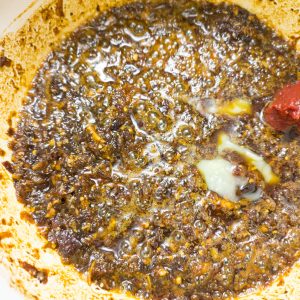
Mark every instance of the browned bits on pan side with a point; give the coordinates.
(26, 216)
(5, 61)
(8, 166)
(5, 235)
(10, 132)
(60, 8)
(40, 275)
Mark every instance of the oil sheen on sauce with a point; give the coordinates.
(125, 125)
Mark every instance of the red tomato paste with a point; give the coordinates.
(284, 111)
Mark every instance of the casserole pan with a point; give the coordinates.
(23, 49)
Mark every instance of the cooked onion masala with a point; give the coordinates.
(143, 155)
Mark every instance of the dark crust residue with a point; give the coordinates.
(41, 275)
(107, 145)
(4, 61)
(2, 152)
(8, 166)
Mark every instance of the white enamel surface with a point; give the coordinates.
(9, 10)
(6, 291)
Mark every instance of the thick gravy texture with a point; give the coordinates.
(142, 154)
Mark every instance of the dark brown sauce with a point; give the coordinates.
(106, 151)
